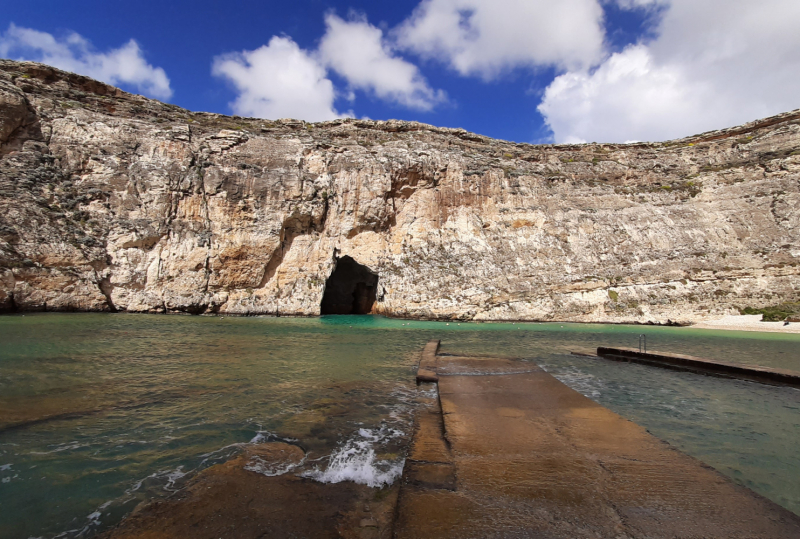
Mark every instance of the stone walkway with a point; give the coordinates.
(513, 452)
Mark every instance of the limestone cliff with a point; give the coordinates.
(110, 201)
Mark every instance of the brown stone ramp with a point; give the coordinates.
(519, 454)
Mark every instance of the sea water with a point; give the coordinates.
(102, 412)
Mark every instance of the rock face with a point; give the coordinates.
(110, 201)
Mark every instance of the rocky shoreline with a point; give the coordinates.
(114, 202)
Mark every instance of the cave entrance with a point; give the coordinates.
(350, 289)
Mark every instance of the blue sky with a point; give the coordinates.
(522, 70)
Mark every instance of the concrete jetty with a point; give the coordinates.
(701, 365)
(512, 452)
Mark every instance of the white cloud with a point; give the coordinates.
(628, 97)
(357, 51)
(125, 65)
(279, 80)
(713, 64)
(282, 80)
(489, 37)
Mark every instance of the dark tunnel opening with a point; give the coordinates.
(351, 289)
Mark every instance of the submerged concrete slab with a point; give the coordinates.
(701, 365)
(534, 458)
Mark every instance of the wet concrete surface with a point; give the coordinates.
(512, 452)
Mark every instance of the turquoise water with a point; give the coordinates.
(99, 412)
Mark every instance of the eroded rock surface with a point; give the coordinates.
(111, 201)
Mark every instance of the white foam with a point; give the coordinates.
(420, 391)
(355, 461)
(173, 476)
(260, 438)
(139, 483)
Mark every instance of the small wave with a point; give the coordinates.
(169, 477)
(224, 453)
(356, 461)
(271, 469)
(59, 448)
(583, 383)
(92, 522)
(263, 436)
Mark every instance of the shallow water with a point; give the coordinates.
(99, 412)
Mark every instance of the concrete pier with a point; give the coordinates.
(700, 365)
(513, 452)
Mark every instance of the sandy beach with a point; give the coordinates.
(747, 322)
